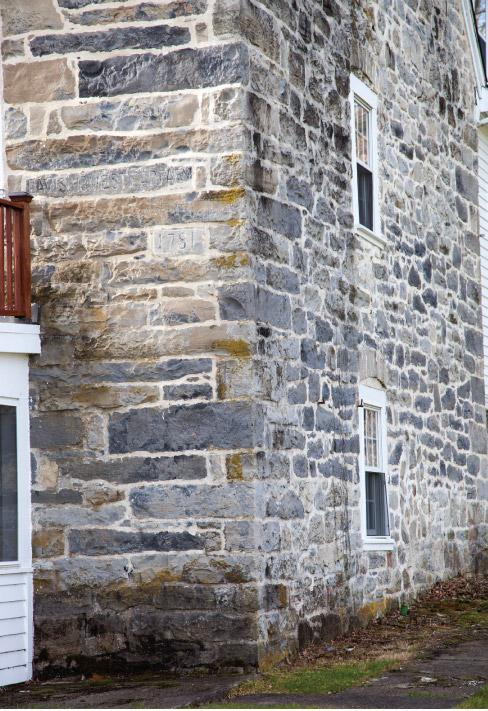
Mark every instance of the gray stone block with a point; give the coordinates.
(183, 69)
(109, 40)
(133, 469)
(277, 216)
(199, 426)
(273, 308)
(52, 430)
(288, 507)
(237, 301)
(188, 391)
(176, 502)
(109, 542)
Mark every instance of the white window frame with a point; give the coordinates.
(374, 398)
(363, 94)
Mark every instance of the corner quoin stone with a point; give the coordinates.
(185, 69)
(199, 426)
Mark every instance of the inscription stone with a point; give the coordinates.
(178, 240)
(121, 180)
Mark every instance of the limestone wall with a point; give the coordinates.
(124, 121)
(208, 313)
(407, 316)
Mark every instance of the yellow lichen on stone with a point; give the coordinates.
(232, 261)
(233, 466)
(237, 348)
(225, 196)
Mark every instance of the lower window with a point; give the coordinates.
(8, 484)
(373, 469)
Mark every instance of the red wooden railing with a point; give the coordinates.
(15, 290)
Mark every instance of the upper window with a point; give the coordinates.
(365, 164)
(374, 469)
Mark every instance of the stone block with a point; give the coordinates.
(237, 301)
(48, 543)
(277, 216)
(55, 429)
(131, 114)
(176, 311)
(183, 69)
(273, 308)
(113, 542)
(199, 426)
(188, 391)
(29, 16)
(288, 507)
(128, 470)
(147, 11)
(51, 80)
(15, 123)
(235, 500)
(110, 40)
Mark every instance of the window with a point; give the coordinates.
(365, 164)
(373, 469)
(8, 484)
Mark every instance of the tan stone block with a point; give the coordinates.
(37, 116)
(50, 80)
(48, 543)
(227, 170)
(70, 397)
(48, 472)
(228, 339)
(28, 15)
(53, 125)
(98, 494)
(86, 151)
(134, 212)
(12, 48)
(233, 378)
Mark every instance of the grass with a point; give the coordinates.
(477, 701)
(311, 679)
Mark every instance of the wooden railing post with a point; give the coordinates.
(24, 200)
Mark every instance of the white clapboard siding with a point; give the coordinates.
(483, 201)
(15, 627)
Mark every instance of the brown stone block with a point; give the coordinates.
(148, 343)
(52, 397)
(174, 270)
(28, 15)
(51, 80)
(48, 543)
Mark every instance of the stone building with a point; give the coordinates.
(258, 416)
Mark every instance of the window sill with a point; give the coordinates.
(378, 544)
(370, 236)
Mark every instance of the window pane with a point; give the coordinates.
(371, 439)
(365, 196)
(376, 512)
(361, 120)
(8, 484)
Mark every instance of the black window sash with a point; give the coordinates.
(376, 504)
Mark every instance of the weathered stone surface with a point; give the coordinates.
(149, 72)
(122, 372)
(109, 40)
(188, 391)
(50, 80)
(55, 429)
(109, 542)
(200, 426)
(106, 182)
(48, 543)
(145, 11)
(229, 501)
(134, 469)
(15, 123)
(90, 151)
(132, 114)
(28, 16)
